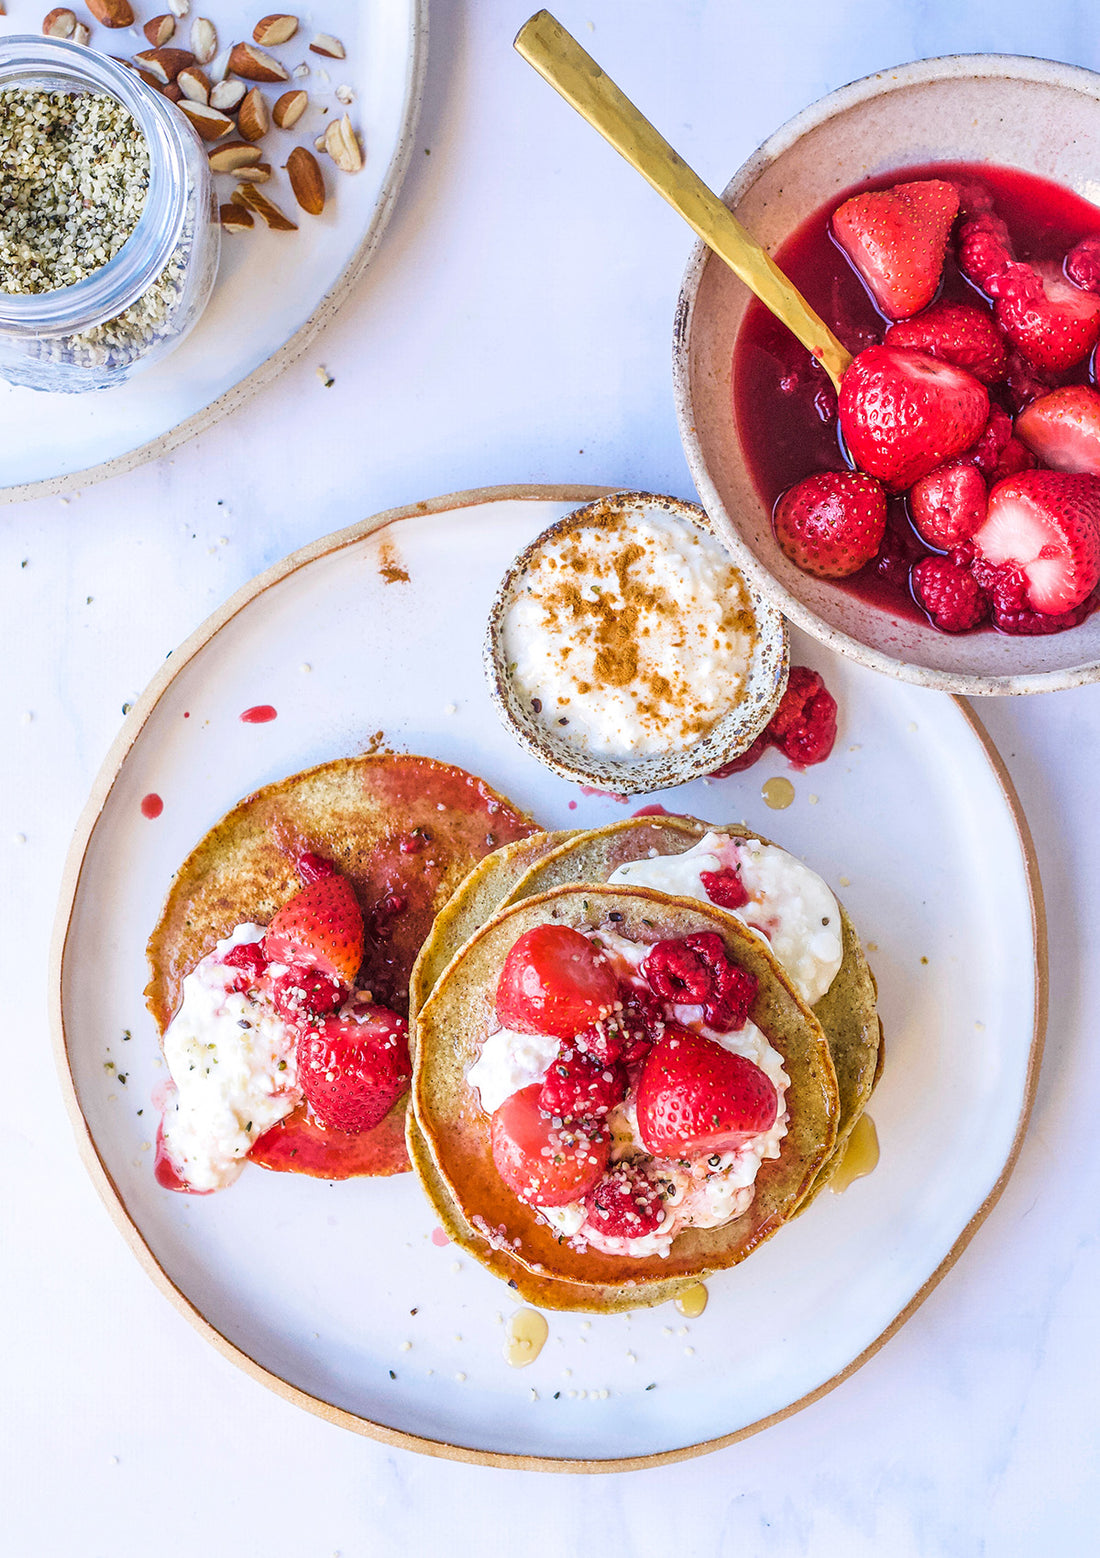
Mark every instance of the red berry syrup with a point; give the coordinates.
(783, 402)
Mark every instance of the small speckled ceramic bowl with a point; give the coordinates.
(1031, 114)
(733, 732)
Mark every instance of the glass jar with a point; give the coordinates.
(137, 307)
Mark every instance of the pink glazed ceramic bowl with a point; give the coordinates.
(1031, 114)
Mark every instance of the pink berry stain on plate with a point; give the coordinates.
(259, 714)
(151, 805)
(439, 1238)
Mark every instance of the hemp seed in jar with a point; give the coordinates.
(108, 246)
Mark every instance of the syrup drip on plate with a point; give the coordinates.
(692, 1301)
(523, 1341)
(778, 793)
(860, 1155)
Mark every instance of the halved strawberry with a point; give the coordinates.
(896, 239)
(554, 981)
(1063, 429)
(695, 1097)
(903, 413)
(1054, 324)
(948, 504)
(321, 927)
(958, 333)
(540, 1161)
(1046, 524)
(354, 1068)
(831, 524)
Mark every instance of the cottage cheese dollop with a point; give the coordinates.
(233, 1066)
(630, 634)
(789, 905)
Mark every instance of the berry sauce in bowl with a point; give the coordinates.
(758, 416)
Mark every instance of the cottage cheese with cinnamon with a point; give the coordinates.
(630, 634)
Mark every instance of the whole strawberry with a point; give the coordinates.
(902, 413)
(353, 1069)
(896, 239)
(831, 524)
(958, 333)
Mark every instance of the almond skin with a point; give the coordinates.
(271, 30)
(160, 30)
(254, 65)
(112, 13)
(306, 180)
(253, 116)
(289, 108)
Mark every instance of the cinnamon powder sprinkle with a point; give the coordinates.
(638, 627)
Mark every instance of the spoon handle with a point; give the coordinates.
(559, 59)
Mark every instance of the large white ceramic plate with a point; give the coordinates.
(274, 290)
(336, 1295)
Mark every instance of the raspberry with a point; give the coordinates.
(628, 1033)
(580, 1090)
(626, 1203)
(737, 765)
(950, 595)
(803, 727)
(1083, 264)
(984, 249)
(695, 971)
(1015, 457)
(996, 436)
(725, 888)
(249, 957)
(1025, 383)
(302, 993)
(1028, 623)
(974, 200)
(311, 867)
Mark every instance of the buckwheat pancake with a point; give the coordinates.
(455, 1131)
(405, 831)
(847, 1012)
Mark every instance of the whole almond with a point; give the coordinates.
(248, 195)
(253, 116)
(58, 23)
(164, 64)
(194, 83)
(210, 124)
(306, 180)
(160, 30)
(226, 95)
(204, 40)
(270, 30)
(236, 219)
(254, 65)
(289, 109)
(112, 13)
(231, 156)
(343, 146)
(330, 47)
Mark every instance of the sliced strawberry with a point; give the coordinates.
(949, 593)
(1083, 264)
(1046, 524)
(948, 504)
(958, 333)
(896, 239)
(903, 413)
(1063, 429)
(627, 1203)
(831, 524)
(554, 981)
(1054, 324)
(353, 1069)
(581, 1090)
(321, 927)
(695, 1097)
(540, 1161)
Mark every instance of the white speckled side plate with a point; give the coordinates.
(336, 1295)
(274, 290)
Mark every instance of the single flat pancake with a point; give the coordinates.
(459, 1013)
(847, 1011)
(404, 830)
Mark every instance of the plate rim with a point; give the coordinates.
(135, 722)
(243, 390)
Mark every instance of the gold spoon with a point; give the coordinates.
(560, 60)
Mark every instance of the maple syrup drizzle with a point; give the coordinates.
(523, 1341)
(860, 1155)
(778, 793)
(692, 1301)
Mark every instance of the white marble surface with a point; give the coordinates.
(515, 326)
